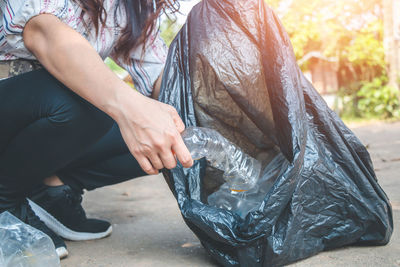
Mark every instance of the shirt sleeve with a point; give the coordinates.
(146, 68)
(17, 13)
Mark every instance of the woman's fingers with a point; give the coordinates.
(179, 123)
(156, 161)
(168, 160)
(178, 146)
(145, 164)
(182, 153)
(180, 126)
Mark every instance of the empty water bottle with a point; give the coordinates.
(241, 171)
(241, 202)
(24, 246)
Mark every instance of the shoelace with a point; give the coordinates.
(75, 200)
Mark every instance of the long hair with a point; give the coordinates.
(141, 17)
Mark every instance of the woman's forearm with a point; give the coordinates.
(72, 60)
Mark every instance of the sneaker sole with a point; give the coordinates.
(63, 231)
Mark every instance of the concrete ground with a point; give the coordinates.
(149, 230)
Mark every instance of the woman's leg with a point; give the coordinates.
(67, 138)
(44, 127)
(107, 162)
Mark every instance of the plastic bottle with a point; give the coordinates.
(241, 171)
(24, 246)
(239, 202)
(241, 192)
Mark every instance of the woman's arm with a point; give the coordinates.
(150, 129)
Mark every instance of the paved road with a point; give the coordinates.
(149, 230)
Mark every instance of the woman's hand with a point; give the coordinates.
(152, 130)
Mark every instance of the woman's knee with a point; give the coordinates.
(65, 111)
(74, 114)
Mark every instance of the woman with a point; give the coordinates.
(71, 123)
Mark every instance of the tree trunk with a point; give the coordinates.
(391, 11)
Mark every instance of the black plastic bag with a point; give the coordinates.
(232, 68)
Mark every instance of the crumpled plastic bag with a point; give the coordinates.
(232, 68)
(24, 246)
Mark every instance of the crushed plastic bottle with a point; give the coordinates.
(24, 246)
(239, 202)
(241, 171)
(241, 192)
(245, 202)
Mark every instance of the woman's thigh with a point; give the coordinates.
(44, 126)
(36, 95)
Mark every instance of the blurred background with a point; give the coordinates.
(348, 49)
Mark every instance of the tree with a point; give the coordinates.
(349, 31)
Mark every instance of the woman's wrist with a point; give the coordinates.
(116, 106)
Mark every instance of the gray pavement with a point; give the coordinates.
(149, 230)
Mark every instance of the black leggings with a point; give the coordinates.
(46, 129)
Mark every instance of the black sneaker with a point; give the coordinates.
(26, 215)
(59, 207)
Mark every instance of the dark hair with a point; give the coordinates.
(141, 19)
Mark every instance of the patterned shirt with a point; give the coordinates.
(144, 69)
